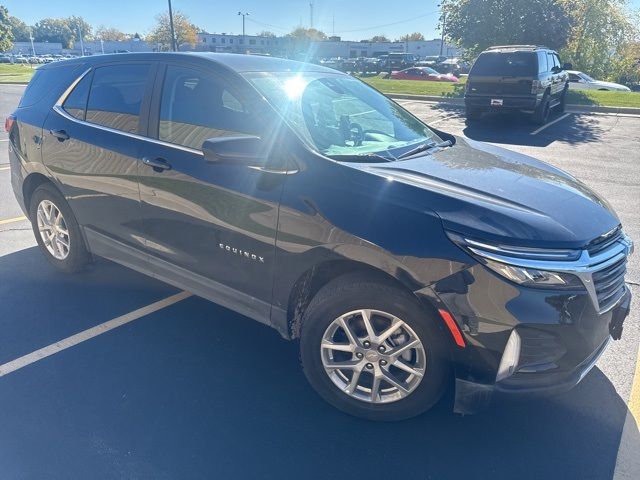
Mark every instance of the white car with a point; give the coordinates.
(582, 81)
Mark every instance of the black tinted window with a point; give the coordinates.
(76, 102)
(506, 64)
(196, 107)
(573, 77)
(42, 82)
(116, 96)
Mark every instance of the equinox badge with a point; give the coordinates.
(241, 253)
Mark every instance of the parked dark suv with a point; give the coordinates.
(400, 256)
(517, 77)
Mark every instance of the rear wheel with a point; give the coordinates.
(56, 230)
(542, 112)
(371, 350)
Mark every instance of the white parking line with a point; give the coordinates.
(4, 139)
(537, 131)
(12, 220)
(88, 334)
(4, 168)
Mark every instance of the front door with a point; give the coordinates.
(210, 225)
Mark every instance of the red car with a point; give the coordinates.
(423, 73)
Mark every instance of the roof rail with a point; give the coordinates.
(532, 47)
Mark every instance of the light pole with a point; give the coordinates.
(33, 49)
(81, 44)
(102, 45)
(243, 30)
(173, 33)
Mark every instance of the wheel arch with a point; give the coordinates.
(317, 276)
(30, 183)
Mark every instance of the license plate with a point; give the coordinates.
(496, 102)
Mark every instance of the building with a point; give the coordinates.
(335, 47)
(222, 42)
(41, 48)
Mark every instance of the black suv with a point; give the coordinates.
(400, 256)
(517, 77)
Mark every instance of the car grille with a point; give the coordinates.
(609, 283)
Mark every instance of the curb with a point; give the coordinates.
(459, 102)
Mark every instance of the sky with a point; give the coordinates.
(352, 20)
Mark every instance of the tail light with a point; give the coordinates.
(535, 86)
(8, 123)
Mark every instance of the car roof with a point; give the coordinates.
(232, 61)
(511, 48)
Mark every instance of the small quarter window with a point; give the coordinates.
(76, 103)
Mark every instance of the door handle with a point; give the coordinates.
(158, 164)
(61, 135)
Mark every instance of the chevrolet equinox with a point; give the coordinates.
(403, 258)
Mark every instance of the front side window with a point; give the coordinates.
(76, 103)
(196, 106)
(340, 116)
(116, 96)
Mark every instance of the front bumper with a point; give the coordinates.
(562, 335)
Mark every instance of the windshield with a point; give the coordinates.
(338, 115)
(587, 77)
(502, 64)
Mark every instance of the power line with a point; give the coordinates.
(375, 27)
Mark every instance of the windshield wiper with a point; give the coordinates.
(361, 157)
(425, 147)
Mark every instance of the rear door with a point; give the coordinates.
(91, 145)
(211, 226)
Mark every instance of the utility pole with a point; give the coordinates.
(310, 15)
(33, 49)
(444, 27)
(173, 32)
(243, 16)
(102, 45)
(81, 44)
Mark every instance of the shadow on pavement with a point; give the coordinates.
(196, 391)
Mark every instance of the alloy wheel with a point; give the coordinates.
(373, 356)
(53, 230)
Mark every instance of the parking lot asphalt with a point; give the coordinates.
(196, 391)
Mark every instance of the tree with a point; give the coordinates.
(54, 30)
(186, 32)
(379, 38)
(266, 33)
(601, 36)
(301, 40)
(19, 29)
(110, 34)
(412, 37)
(6, 36)
(478, 24)
(78, 23)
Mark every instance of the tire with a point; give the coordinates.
(562, 106)
(542, 112)
(75, 257)
(350, 294)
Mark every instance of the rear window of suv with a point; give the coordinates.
(506, 64)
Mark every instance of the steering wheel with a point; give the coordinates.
(356, 134)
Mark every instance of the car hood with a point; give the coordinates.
(488, 192)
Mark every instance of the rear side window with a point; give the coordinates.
(196, 106)
(116, 96)
(42, 82)
(554, 62)
(542, 62)
(76, 103)
(506, 64)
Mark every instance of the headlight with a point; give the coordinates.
(534, 278)
(518, 264)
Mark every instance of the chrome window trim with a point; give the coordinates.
(583, 267)
(61, 111)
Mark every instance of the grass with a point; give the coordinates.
(15, 73)
(456, 90)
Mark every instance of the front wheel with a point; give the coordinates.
(57, 231)
(371, 350)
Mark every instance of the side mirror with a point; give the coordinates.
(567, 66)
(242, 150)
